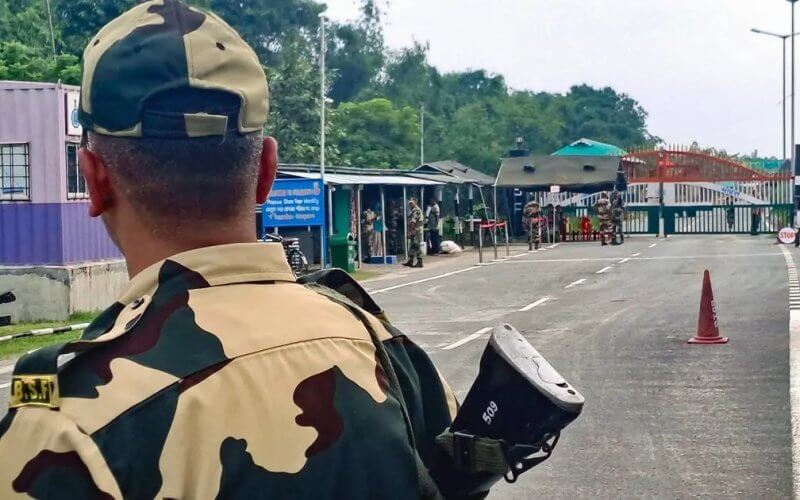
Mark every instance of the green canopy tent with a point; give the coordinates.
(588, 147)
(575, 174)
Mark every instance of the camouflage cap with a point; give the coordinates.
(166, 48)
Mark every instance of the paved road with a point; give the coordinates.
(663, 419)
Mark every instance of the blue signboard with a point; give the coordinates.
(294, 202)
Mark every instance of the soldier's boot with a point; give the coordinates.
(408, 263)
(603, 240)
(418, 263)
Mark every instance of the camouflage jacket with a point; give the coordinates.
(416, 221)
(531, 214)
(603, 209)
(218, 375)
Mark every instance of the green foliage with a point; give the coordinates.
(20, 62)
(470, 116)
(375, 133)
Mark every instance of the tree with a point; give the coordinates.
(605, 115)
(26, 22)
(375, 133)
(356, 53)
(20, 62)
(294, 118)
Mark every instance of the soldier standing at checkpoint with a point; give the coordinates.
(416, 221)
(617, 217)
(531, 220)
(603, 209)
(216, 374)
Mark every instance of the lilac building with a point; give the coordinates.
(43, 207)
(44, 221)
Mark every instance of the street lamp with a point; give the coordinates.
(783, 97)
(794, 168)
(323, 97)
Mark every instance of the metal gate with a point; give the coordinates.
(722, 219)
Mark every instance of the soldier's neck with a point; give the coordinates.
(143, 250)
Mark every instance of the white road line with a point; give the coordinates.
(470, 338)
(520, 254)
(607, 268)
(670, 257)
(7, 384)
(636, 254)
(553, 245)
(6, 369)
(389, 289)
(651, 246)
(534, 304)
(575, 283)
(794, 371)
(626, 259)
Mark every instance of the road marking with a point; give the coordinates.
(636, 254)
(467, 339)
(7, 384)
(575, 283)
(651, 246)
(521, 254)
(607, 268)
(670, 257)
(425, 280)
(553, 245)
(626, 259)
(794, 367)
(534, 304)
(6, 369)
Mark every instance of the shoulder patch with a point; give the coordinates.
(34, 390)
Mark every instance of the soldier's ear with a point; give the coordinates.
(95, 172)
(267, 169)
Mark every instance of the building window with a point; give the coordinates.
(76, 184)
(15, 173)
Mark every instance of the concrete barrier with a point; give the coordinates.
(54, 292)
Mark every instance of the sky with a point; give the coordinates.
(694, 65)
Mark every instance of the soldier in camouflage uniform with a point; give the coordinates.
(215, 374)
(532, 220)
(603, 209)
(617, 217)
(416, 222)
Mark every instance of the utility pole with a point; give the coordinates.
(52, 33)
(422, 134)
(323, 229)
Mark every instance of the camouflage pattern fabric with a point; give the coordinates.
(164, 45)
(216, 375)
(416, 221)
(531, 221)
(617, 216)
(603, 209)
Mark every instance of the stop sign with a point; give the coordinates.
(787, 235)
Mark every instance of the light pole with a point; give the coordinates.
(794, 168)
(322, 104)
(783, 96)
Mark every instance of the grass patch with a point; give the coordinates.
(13, 348)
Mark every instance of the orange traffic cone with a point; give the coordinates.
(707, 328)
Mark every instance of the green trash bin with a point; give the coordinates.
(343, 251)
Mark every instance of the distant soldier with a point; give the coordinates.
(617, 216)
(603, 209)
(532, 221)
(416, 221)
(368, 232)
